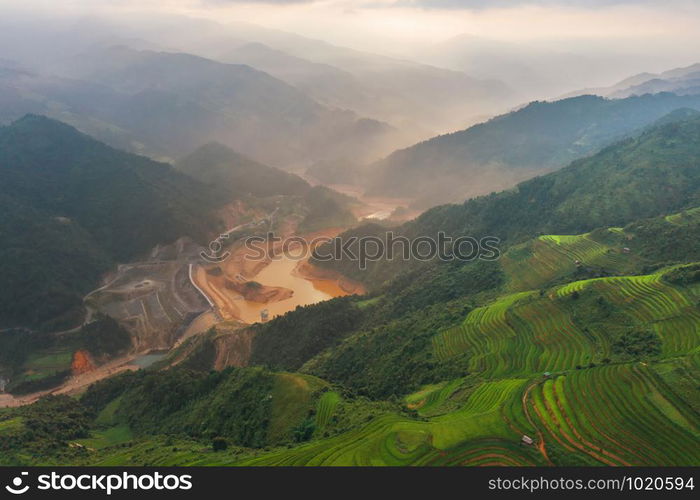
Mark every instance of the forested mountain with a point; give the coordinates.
(399, 92)
(167, 104)
(72, 206)
(440, 384)
(570, 338)
(418, 100)
(655, 173)
(222, 168)
(596, 291)
(72, 101)
(180, 101)
(497, 154)
(681, 81)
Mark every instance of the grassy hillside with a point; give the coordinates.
(634, 419)
(584, 336)
(598, 371)
(252, 408)
(398, 349)
(631, 341)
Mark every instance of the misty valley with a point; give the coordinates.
(175, 188)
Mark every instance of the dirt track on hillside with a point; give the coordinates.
(76, 384)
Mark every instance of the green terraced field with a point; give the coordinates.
(526, 333)
(611, 415)
(434, 399)
(455, 437)
(547, 258)
(686, 217)
(617, 415)
(620, 413)
(542, 360)
(325, 408)
(291, 396)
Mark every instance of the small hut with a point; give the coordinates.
(526, 440)
(264, 315)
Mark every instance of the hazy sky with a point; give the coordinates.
(647, 35)
(395, 23)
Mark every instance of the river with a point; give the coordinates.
(281, 273)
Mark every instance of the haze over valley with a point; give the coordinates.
(201, 204)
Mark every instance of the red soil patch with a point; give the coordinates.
(82, 363)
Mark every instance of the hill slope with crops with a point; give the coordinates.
(598, 370)
(576, 347)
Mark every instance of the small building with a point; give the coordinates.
(547, 374)
(526, 440)
(578, 263)
(626, 250)
(264, 315)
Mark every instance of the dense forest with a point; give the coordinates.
(72, 207)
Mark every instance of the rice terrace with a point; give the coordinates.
(423, 243)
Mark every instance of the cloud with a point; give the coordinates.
(267, 2)
(492, 4)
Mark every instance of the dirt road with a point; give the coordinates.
(75, 384)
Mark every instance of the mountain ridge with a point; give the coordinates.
(494, 155)
(74, 206)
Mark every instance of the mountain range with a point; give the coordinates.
(653, 173)
(570, 340)
(681, 81)
(595, 292)
(497, 154)
(168, 104)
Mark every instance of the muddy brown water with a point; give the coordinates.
(282, 273)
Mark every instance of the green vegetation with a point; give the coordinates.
(500, 152)
(584, 336)
(392, 358)
(326, 208)
(616, 415)
(104, 338)
(35, 361)
(651, 175)
(325, 409)
(73, 206)
(253, 408)
(637, 345)
(400, 440)
(225, 170)
(41, 433)
(455, 383)
(315, 329)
